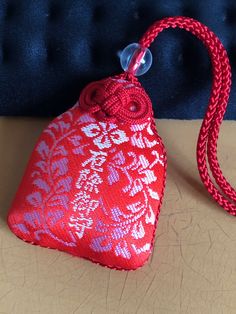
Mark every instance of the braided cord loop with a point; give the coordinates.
(224, 194)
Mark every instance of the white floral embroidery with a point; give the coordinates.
(153, 194)
(145, 248)
(134, 170)
(143, 168)
(150, 217)
(138, 139)
(138, 231)
(136, 207)
(105, 134)
(159, 158)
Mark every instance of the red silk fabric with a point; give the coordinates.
(93, 187)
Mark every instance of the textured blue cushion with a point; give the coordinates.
(51, 49)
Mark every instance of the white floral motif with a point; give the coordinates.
(147, 176)
(135, 170)
(140, 165)
(138, 231)
(138, 139)
(145, 248)
(105, 134)
(150, 217)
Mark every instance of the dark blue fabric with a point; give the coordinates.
(51, 49)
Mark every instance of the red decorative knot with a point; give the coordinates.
(116, 98)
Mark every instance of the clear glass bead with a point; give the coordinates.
(136, 59)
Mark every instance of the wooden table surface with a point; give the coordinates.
(193, 266)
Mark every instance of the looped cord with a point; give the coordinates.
(225, 195)
(120, 97)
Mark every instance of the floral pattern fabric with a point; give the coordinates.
(93, 189)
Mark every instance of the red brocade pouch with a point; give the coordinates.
(95, 181)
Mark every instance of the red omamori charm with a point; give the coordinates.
(95, 181)
(94, 184)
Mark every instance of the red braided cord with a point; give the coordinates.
(208, 135)
(117, 98)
